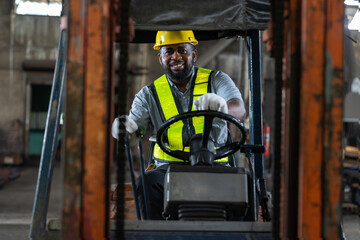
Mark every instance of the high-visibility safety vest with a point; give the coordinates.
(169, 109)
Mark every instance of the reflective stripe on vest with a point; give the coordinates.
(168, 106)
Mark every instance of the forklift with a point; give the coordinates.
(84, 89)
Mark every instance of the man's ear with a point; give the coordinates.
(195, 53)
(159, 57)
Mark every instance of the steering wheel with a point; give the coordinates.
(209, 116)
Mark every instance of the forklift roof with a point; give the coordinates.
(207, 19)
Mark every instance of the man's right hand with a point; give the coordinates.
(130, 126)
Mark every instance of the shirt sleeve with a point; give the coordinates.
(224, 86)
(139, 111)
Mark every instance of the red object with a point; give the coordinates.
(151, 167)
(266, 140)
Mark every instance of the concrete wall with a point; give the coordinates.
(22, 37)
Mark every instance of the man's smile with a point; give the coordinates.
(177, 66)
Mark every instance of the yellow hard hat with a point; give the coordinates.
(174, 37)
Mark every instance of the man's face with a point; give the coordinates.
(177, 60)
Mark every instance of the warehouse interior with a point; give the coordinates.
(321, 134)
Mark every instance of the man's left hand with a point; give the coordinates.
(211, 101)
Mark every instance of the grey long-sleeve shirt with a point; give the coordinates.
(144, 109)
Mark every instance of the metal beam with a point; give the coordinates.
(291, 123)
(334, 95)
(312, 125)
(255, 100)
(87, 116)
(43, 186)
(98, 65)
(255, 117)
(311, 114)
(73, 118)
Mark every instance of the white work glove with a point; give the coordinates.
(211, 101)
(130, 126)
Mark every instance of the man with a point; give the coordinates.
(182, 88)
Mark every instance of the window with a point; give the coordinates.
(38, 7)
(352, 10)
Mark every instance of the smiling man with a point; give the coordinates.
(178, 60)
(182, 88)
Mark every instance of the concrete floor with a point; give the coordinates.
(17, 197)
(16, 203)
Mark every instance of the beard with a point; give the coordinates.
(178, 76)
